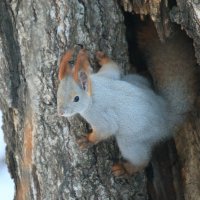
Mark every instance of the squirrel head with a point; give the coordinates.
(74, 91)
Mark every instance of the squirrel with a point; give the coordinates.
(127, 107)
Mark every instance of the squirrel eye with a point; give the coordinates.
(71, 62)
(76, 98)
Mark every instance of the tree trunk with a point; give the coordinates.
(42, 153)
(43, 156)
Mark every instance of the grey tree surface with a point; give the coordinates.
(42, 154)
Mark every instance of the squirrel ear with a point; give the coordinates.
(82, 71)
(82, 62)
(85, 82)
(64, 67)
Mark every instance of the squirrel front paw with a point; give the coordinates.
(87, 140)
(102, 58)
(84, 143)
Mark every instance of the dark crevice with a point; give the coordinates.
(136, 58)
(133, 23)
(11, 49)
(172, 3)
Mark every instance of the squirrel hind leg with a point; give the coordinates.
(126, 169)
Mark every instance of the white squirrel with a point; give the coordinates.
(129, 109)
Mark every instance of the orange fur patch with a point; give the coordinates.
(82, 61)
(126, 168)
(118, 169)
(64, 67)
(102, 58)
(92, 137)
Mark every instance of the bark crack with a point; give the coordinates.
(85, 15)
(11, 50)
(33, 5)
(36, 182)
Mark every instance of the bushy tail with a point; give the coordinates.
(172, 67)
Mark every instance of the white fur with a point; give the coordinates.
(137, 80)
(127, 109)
(110, 70)
(135, 115)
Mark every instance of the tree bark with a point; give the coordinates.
(42, 153)
(187, 14)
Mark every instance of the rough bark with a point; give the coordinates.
(42, 153)
(187, 14)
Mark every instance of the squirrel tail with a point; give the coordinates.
(171, 65)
